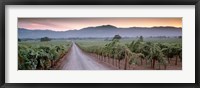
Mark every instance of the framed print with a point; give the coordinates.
(105, 43)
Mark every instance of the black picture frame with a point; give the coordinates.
(99, 2)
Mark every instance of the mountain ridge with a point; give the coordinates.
(102, 31)
(100, 26)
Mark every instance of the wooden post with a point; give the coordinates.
(125, 62)
(176, 60)
(119, 63)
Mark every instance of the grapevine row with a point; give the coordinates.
(33, 57)
(122, 56)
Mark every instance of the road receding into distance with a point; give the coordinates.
(76, 59)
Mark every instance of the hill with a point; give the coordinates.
(102, 31)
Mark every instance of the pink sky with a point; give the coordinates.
(63, 24)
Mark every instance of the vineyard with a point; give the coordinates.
(36, 55)
(124, 54)
(136, 54)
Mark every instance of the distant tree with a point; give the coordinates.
(117, 37)
(179, 37)
(19, 40)
(141, 39)
(45, 39)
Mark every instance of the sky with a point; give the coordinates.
(64, 24)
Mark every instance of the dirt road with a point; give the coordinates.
(77, 59)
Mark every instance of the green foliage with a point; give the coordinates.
(19, 40)
(117, 37)
(40, 56)
(135, 51)
(45, 39)
(113, 50)
(157, 51)
(141, 39)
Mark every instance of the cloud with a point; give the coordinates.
(61, 24)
